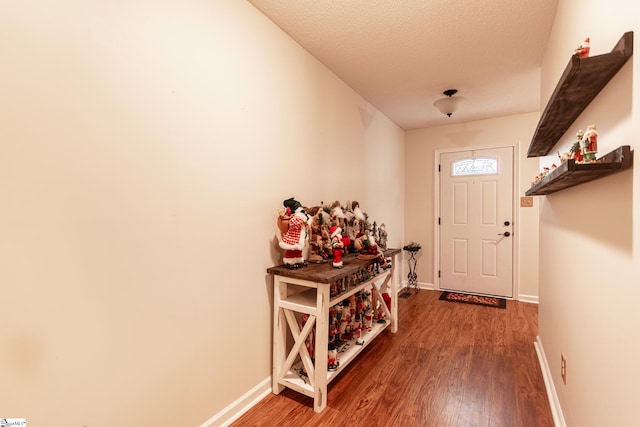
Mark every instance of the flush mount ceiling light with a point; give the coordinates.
(450, 104)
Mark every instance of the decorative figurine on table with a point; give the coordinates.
(368, 248)
(332, 355)
(583, 50)
(358, 330)
(338, 216)
(382, 242)
(368, 319)
(346, 243)
(590, 144)
(337, 246)
(381, 315)
(355, 208)
(378, 303)
(320, 240)
(353, 219)
(345, 321)
(293, 221)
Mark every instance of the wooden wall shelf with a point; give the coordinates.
(581, 81)
(570, 173)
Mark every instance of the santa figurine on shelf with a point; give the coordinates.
(293, 222)
(590, 144)
(583, 50)
(576, 150)
(337, 246)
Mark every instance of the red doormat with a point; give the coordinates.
(474, 299)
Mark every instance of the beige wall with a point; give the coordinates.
(589, 257)
(421, 146)
(144, 150)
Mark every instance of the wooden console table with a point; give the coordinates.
(306, 292)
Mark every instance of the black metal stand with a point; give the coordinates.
(412, 277)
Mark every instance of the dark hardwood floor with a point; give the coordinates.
(450, 364)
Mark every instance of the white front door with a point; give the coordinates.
(476, 221)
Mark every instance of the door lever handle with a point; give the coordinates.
(505, 234)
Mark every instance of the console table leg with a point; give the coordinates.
(279, 334)
(321, 351)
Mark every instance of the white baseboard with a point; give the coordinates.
(554, 402)
(533, 299)
(241, 405)
(421, 285)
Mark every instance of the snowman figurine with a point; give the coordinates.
(294, 239)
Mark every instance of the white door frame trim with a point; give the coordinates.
(516, 212)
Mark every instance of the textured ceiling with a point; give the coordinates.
(400, 55)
